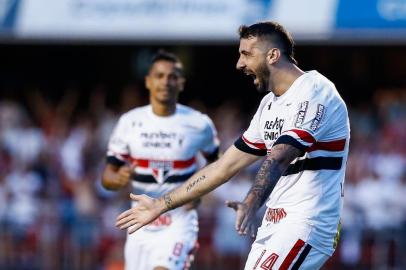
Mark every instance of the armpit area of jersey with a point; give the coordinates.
(114, 161)
(243, 146)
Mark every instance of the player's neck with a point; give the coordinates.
(283, 78)
(163, 109)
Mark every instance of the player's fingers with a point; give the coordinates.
(135, 198)
(125, 169)
(243, 226)
(233, 204)
(128, 224)
(239, 220)
(123, 221)
(126, 173)
(253, 230)
(123, 215)
(132, 167)
(134, 228)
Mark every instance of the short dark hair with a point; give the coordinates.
(274, 32)
(163, 55)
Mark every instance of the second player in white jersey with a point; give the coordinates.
(162, 149)
(155, 148)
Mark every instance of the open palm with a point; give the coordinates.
(142, 214)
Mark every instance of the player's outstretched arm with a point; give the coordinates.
(268, 175)
(202, 182)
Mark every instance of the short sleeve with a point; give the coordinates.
(251, 141)
(117, 150)
(210, 144)
(320, 120)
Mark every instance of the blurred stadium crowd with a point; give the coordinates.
(54, 214)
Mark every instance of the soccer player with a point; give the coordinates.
(154, 147)
(302, 127)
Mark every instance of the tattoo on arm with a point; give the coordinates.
(191, 185)
(167, 197)
(270, 172)
(262, 186)
(168, 201)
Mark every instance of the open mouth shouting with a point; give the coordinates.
(253, 76)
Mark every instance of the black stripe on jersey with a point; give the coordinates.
(286, 139)
(147, 178)
(114, 161)
(241, 145)
(314, 164)
(302, 257)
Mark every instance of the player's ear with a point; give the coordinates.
(182, 84)
(147, 82)
(273, 56)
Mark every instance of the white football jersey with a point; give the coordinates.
(312, 117)
(163, 149)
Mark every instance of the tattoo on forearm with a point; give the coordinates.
(263, 184)
(270, 172)
(168, 201)
(191, 185)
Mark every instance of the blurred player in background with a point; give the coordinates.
(302, 127)
(155, 147)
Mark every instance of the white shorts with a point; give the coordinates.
(166, 244)
(284, 246)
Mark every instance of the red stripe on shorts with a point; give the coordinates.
(292, 254)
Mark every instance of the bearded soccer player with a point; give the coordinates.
(302, 127)
(154, 147)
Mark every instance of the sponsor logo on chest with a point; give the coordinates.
(161, 139)
(273, 128)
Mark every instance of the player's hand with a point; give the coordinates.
(124, 175)
(245, 221)
(146, 210)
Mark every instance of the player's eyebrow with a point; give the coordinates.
(244, 52)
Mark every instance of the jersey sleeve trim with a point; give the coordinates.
(286, 139)
(213, 155)
(252, 144)
(114, 161)
(303, 138)
(241, 145)
(303, 135)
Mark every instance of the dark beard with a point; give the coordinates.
(263, 79)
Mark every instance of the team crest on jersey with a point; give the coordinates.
(301, 114)
(321, 109)
(160, 168)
